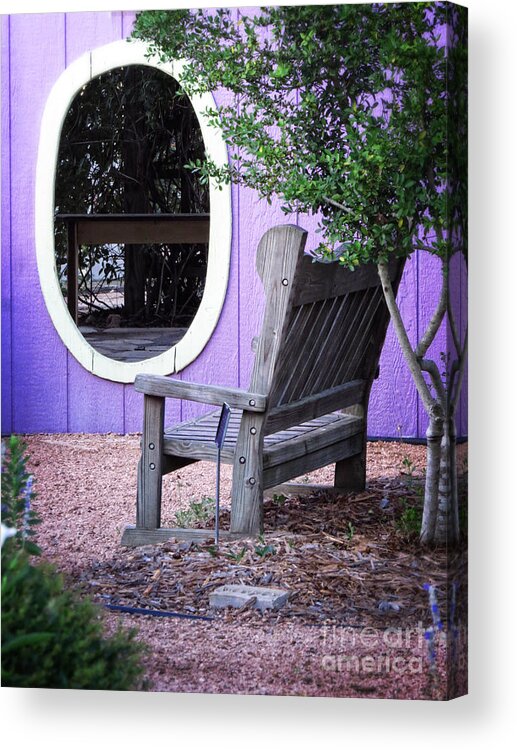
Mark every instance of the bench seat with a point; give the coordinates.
(195, 440)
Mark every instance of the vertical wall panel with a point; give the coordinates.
(6, 224)
(133, 401)
(458, 293)
(393, 402)
(86, 31)
(128, 19)
(94, 404)
(430, 284)
(219, 360)
(39, 357)
(255, 217)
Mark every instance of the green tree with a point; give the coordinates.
(356, 113)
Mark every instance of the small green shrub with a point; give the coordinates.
(53, 639)
(237, 556)
(408, 467)
(197, 512)
(262, 549)
(18, 494)
(410, 521)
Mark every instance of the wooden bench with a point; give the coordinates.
(306, 407)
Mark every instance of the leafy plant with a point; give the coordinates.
(18, 494)
(410, 520)
(408, 467)
(350, 530)
(279, 499)
(262, 549)
(51, 638)
(202, 511)
(237, 556)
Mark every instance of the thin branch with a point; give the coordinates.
(436, 319)
(432, 406)
(452, 323)
(427, 365)
(334, 203)
(461, 373)
(432, 184)
(422, 246)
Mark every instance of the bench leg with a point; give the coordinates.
(247, 515)
(247, 509)
(150, 467)
(350, 473)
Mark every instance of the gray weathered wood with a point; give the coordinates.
(308, 349)
(314, 439)
(362, 338)
(149, 498)
(277, 257)
(315, 360)
(159, 385)
(247, 482)
(333, 375)
(319, 281)
(350, 473)
(198, 450)
(310, 407)
(134, 536)
(311, 461)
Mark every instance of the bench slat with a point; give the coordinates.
(195, 440)
(283, 416)
(319, 281)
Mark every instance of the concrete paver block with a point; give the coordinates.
(237, 595)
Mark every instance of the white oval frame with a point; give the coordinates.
(76, 75)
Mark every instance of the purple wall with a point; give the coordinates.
(44, 389)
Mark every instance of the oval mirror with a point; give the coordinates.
(140, 267)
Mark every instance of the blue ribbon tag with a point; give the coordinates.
(224, 421)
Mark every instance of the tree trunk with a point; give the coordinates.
(434, 434)
(440, 518)
(447, 522)
(440, 521)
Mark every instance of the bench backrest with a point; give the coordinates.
(322, 334)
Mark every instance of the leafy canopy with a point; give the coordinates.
(343, 111)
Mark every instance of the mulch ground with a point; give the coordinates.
(355, 619)
(340, 559)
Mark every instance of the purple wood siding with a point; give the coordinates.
(44, 389)
(5, 79)
(39, 360)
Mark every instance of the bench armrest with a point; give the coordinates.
(236, 398)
